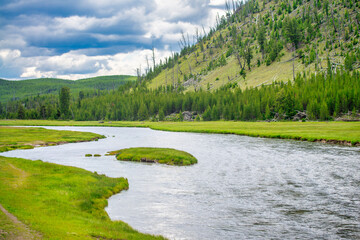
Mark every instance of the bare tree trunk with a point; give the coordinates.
(239, 59)
(173, 69)
(153, 58)
(332, 16)
(148, 66)
(293, 61)
(165, 80)
(189, 66)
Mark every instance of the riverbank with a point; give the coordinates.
(48, 201)
(345, 133)
(166, 156)
(12, 138)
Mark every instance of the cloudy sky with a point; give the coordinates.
(75, 39)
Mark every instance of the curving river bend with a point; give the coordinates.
(242, 187)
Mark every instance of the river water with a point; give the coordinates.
(241, 188)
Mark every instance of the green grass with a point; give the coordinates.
(61, 202)
(306, 131)
(159, 155)
(26, 138)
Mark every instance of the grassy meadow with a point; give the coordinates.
(159, 155)
(336, 132)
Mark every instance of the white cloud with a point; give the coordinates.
(9, 55)
(90, 37)
(217, 3)
(76, 66)
(32, 72)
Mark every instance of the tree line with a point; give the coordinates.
(321, 96)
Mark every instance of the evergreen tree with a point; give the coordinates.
(324, 111)
(143, 112)
(261, 37)
(21, 111)
(161, 115)
(64, 99)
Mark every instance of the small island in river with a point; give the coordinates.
(167, 156)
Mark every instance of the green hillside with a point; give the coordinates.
(20, 89)
(252, 45)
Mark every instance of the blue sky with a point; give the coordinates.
(76, 39)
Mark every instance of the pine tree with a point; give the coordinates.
(161, 115)
(21, 111)
(64, 98)
(324, 111)
(267, 112)
(143, 112)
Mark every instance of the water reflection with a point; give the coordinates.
(242, 187)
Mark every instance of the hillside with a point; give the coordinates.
(21, 89)
(252, 45)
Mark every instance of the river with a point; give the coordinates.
(241, 188)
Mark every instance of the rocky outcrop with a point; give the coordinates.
(189, 116)
(349, 117)
(185, 116)
(300, 116)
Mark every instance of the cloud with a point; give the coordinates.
(70, 39)
(74, 65)
(9, 55)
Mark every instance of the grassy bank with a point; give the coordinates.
(156, 155)
(333, 132)
(59, 202)
(49, 201)
(26, 138)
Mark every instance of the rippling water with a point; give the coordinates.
(242, 187)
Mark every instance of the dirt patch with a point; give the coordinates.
(338, 142)
(36, 143)
(23, 232)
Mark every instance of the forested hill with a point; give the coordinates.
(263, 41)
(10, 90)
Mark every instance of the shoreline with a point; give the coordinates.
(69, 201)
(339, 133)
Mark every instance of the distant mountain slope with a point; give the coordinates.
(253, 45)
(32, 87)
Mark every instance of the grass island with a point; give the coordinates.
(167, 156)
